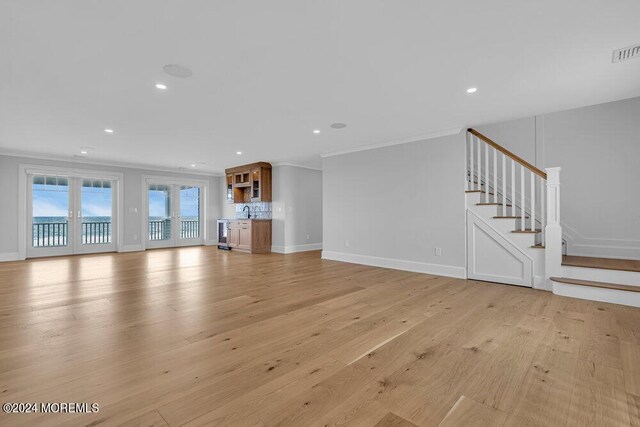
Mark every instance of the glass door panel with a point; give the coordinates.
(189, 212)
(95, 216)
(160, 224)
(50, 216)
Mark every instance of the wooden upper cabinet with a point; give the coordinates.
(249, 183)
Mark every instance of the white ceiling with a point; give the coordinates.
(266, 73)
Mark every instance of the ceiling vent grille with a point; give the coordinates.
(626, 53)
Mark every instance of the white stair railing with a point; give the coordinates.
(493, 170)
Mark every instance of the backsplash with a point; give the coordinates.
(259, 210)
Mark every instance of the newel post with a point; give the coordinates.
(553, 230)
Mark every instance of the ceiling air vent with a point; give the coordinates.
(626, 53)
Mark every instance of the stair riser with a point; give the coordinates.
(473, 198)
(504, 226)
(522, 240)
(597, 294)
(601, 275)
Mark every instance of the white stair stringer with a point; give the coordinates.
(493, 258)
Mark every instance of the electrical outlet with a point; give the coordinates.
(346, 243)
(438, 251)
(308, 237)
(135, 237)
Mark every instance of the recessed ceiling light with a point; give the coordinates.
(239, 153)
(316, 131)
(338, 125)
(161, 86)
(472, 90)
(108, 130)
(193, 165)
(83, 151)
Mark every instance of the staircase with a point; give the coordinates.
(514, 235)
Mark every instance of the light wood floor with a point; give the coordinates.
(198, 336)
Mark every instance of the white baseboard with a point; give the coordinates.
(210, 242)
(296, 248)
(398, 264)
(10, 256)
(131, 248)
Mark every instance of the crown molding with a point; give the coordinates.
(57, 158)
(295, 165)
(389, 143)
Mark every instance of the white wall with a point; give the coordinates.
(394, 206)
(297, 209)
(132, 198)
(598, 148)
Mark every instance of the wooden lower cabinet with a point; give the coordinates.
(252, 235)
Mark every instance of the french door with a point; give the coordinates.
(70, 215)
(174, 215)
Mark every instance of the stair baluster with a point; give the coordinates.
(472, 185)
(543, 220)
(479, 177)
(513, 188)
(486, 171)
(504, 184)
(522, 199)
(495, 176)
(533, 202)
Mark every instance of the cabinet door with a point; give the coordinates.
(245, 237)
(233, 235)
(255, 185)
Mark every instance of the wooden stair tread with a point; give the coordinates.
(527, 231)
(601, 263)
(604, 285)
(538, 246)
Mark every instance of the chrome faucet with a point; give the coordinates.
(249, 211)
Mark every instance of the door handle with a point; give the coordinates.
(79, 216)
